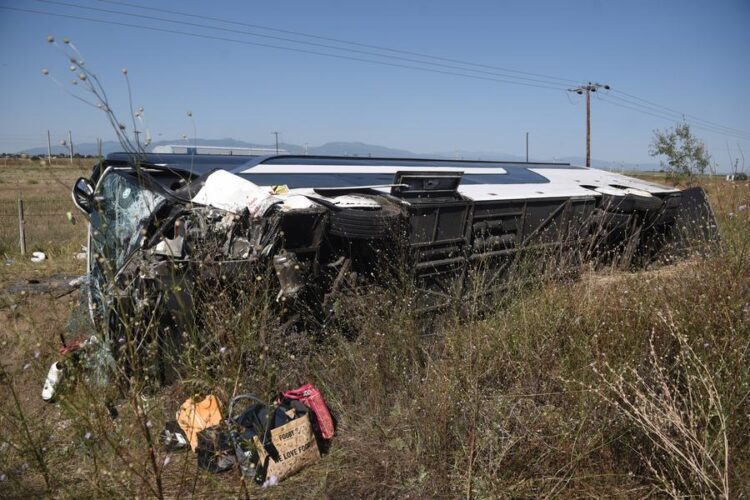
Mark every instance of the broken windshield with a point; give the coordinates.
(123, 204)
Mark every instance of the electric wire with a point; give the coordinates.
(280, 47)
(616, 97)
(567, 81)
(679, 114)
(300, 42)
(693, 117)
(663, 116)
(673, 116)
(626, 98)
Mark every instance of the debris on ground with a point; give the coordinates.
(37, 257)
(61, 283)
(266, 442)
(195, 416)
(173, 437)
(54, 377)
(70, 351)
(311, 397)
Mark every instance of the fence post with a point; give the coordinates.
(21, 228)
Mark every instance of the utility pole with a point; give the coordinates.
(527, 147)
(277, 141)
(49, 149)
(70, 140)
(588, 89)
(99, 148)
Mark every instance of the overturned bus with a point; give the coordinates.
(325, 225)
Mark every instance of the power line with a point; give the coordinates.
(693, 117)
(300, 42)
(669, 116)
(341, 41)
(418, 54)
(279, 47)
(662, 113)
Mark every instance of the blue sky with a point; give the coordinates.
(688, 55)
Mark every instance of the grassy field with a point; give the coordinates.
(621, 383)
(45, 191)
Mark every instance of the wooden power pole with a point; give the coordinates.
(588, 89)
(527, 147)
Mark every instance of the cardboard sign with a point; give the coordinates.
(296, 445)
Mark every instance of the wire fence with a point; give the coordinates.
(47, 225)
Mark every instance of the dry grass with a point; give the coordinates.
(626, 384)
(46, 193)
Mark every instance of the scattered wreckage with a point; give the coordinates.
(265, 442)
(326, 225)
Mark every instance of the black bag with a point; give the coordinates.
(215, 451)
(258, 420)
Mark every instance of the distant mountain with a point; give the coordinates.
(358, 149)
(351, 149)
(330, 148)
(476, 155)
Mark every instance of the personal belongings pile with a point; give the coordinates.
(267, 442)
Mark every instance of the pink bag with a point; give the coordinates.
(311, 397)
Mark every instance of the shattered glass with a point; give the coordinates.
(122, 206)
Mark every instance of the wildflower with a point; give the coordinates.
(26, 366)
(45, 71)
(50, 39)
(72, 67)
(124, 71)
(87, 436)
(82, 76)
